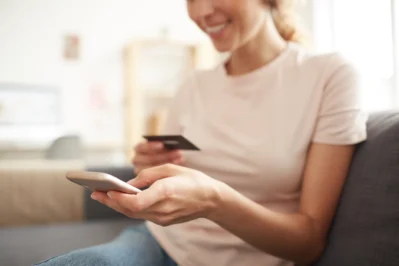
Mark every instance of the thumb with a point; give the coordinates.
(148, 176)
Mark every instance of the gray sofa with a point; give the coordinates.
(365, 230)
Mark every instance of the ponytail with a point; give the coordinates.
(285, 19)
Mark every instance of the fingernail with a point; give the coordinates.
(178, 161)
(158, 146)
(177, 155)
(110, 194)
(94, 197)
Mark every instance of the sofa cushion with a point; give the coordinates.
(365, 230)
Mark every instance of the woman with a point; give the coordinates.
(276, 126)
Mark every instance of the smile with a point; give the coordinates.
(216, 29)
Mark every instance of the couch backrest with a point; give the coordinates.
(365, 230)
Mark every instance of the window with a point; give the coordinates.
(365, 32)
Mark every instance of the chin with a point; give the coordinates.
(223, 47)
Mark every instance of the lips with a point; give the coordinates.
(217, 30)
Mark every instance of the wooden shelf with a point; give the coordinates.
(200, 56)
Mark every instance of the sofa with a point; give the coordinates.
(365, 229)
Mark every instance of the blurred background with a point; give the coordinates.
(77, 70)
(82, 80)
(94, 75)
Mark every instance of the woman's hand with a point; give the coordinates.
(150, 154)
(176, 194)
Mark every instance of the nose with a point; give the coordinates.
(200, 9)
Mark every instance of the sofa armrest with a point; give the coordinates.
(37, 192)
(95, 210)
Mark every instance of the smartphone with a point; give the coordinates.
(100, 182)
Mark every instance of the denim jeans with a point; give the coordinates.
(133, 247)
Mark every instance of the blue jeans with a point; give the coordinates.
(133, 247)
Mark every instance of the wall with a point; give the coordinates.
(306, 15)
(31, 35)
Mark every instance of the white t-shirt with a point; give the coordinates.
(254, 131)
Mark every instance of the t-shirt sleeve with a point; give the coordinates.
(341, 120)
(178, 108)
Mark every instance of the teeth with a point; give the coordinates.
(216, 29)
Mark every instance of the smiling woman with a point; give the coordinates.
(245, 17)
(276, 124)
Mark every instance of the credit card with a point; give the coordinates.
(173, 142)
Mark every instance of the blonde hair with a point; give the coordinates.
(286, 20)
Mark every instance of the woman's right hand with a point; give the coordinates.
(150, 154)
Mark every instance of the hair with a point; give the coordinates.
(286, 21)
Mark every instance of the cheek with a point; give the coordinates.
(244, 16)
(191, 16)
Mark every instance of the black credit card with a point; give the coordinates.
(173, 142)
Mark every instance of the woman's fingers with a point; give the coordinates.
(149, 147)
(133, 206)
(157, 159)
(106, 200)
(150, 204)
(150, 154)
(149, 176)
(178, 161)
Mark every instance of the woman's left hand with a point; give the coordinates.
(176, 194)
